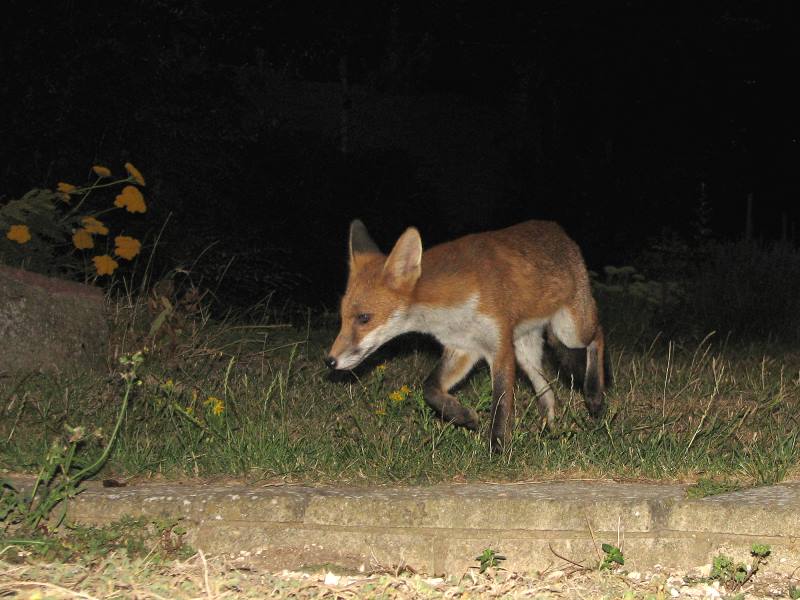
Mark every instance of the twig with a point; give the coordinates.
(594, 539)
(570, 561)
(205, 573)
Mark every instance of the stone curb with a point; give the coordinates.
(442, 528)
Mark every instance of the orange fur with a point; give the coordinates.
(484, 296)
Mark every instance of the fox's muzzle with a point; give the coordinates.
(348, 359)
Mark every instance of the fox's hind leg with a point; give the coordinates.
(528, 349)
(454, 366)
(594, 384)
(585, 332)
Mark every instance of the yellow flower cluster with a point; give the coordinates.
(82, 239)
(105, 265)
(217, 405)
(64, 190)
(92, 225)
(135, 174)
(19, 233)
(131, 199)
(127, 247)
(400, 394)
(101, 171)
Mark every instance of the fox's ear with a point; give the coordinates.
(360, 242)
(404, 265)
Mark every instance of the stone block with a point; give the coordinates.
(49, 324)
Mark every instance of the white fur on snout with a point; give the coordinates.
(393, 327)
(349, 360)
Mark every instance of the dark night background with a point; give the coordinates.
(264, 129)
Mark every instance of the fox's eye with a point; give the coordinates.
(363, 318)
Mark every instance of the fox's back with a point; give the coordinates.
(525, 271)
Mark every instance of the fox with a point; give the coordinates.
(496, 296)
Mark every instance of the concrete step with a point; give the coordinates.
(440, 529)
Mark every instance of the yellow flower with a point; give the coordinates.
(380, 410)
(131, 198)
(92, 225)
(134, 173)
(217, 405)
(127, 247)
(400, 395)
(19, 233)
(66, 188)
(396, 396)
(381, 368)
(82, 239)
(101, 171)
(105, 265)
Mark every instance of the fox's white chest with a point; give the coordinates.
(462, 327)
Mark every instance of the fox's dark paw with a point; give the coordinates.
(470, 419)
(596, 406)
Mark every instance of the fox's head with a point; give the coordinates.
(379, 290)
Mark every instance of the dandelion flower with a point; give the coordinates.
(105, 265)
(19, 233)
(400, 395)
(127, 247)
(101, 171)
(135, 174)
(65, 188)
(82, 239)
(92, 225)
(217, 405)
(131, 199)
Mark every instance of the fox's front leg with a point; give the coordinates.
(454, 366)
(502, 424)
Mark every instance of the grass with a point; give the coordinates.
(252, 399)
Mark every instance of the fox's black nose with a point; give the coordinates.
(330, 362)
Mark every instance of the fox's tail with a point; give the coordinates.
(580, 368)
